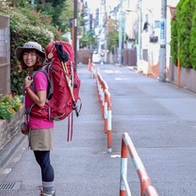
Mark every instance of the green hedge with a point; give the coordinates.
(26, 25)
(174, 42)
(183, 33)
(193, 38)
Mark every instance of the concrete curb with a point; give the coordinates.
(10, 148)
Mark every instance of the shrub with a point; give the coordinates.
(184, 24)
(183, 34)
(174, 42)
(9, 105)
(26, 25)
(192, 39)
(22, 32)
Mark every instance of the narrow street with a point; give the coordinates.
(160, 119)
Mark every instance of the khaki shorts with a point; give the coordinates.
(42, 139)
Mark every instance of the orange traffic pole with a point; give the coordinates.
(108, 118)
(145, 182)
(94, 70)
(150, 191)
(105, 112)
(99, 88)
(124, 157)
(89, 64)
(178, 72)
(178, 65)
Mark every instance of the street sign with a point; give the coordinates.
(162, 33)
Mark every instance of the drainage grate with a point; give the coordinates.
(9, 185)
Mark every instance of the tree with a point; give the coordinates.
(25, 25)
(193, 35)
(174, 42)
(183, 34)
(184, 24)
(113, 34)
(66, 14)
(112, 37)
(58, 10)
(15, 3)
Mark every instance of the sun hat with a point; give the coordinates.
(29, 45)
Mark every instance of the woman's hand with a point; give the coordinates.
(27, 81)
(39, 98)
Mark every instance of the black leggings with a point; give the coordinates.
(43, 159)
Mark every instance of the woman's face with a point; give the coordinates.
(29, 58)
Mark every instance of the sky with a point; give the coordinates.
(93, 4)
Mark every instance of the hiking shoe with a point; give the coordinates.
(44, 194)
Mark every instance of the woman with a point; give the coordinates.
(41, 135)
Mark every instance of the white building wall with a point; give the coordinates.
(151, 10)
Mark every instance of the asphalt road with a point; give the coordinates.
(160, 119)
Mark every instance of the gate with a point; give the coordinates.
(4, 55)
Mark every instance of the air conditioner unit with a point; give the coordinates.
(154, 39)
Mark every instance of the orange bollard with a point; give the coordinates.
(93, 71)
(108, 117)
(145, 183)
(106, 100)
(89, 64)
(150, 191)
(124, 157)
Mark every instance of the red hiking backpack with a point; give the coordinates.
(63, 83)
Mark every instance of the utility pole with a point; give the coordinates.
(120, 35)
(105, 32)
(75, 30)
(162, 74)
(139, 49)
(124, 25)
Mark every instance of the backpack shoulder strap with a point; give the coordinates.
(45, 71)
(32, 77)
(35, 73)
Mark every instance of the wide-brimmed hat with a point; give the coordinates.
(29, 45)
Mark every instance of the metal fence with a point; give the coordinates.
(4, 55)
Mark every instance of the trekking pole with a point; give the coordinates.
(70, 117)
(70, 127)
(64, 65)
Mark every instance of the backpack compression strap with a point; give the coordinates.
(63, 56)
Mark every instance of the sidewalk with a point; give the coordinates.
(160, 120)
(82, 166)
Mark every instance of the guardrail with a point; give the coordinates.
(92, 68)
(101, 87)
(108, 118)
(145, 183)
(105, 102)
